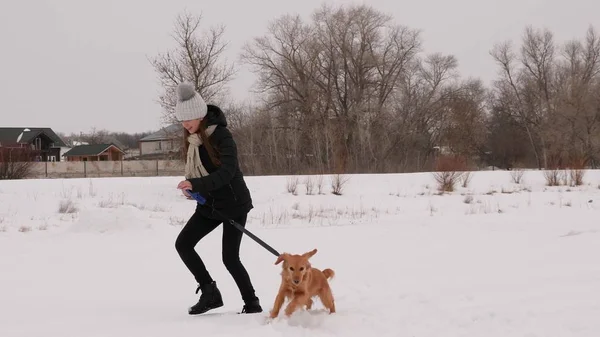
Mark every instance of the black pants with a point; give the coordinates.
(197, 228)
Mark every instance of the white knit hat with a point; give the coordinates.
(190, 105)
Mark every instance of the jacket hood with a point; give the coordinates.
(215, 116)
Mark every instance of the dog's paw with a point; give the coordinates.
(268, 320)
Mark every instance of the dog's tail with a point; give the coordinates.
(329, 273)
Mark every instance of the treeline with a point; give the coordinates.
(123, 140)
(350, 90)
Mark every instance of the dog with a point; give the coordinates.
(300, 282)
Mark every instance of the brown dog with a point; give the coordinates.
(300, 282)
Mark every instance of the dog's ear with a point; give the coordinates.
(310, 254)
(281, 257)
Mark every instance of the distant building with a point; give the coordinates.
(166, 142)
(95, 152)
(30, 144)
(77, 143)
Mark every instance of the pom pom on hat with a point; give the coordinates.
(190, 105)
(185, 91)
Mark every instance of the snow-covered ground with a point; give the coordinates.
(492, 259)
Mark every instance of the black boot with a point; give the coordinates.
(209, 299)
(252, 307)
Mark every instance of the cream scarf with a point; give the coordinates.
(193, 164)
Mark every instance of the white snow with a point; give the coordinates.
(408, 262)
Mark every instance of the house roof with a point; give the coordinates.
(166, 133)
(89, 150)
(10, 135)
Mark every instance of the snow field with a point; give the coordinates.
(96, 257)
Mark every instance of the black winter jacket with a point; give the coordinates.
(224, 188)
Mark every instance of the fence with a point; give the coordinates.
(93, 169)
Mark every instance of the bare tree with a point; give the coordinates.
(577, 86)
(349, 91)
(329, 83)
(551, 95)
(348, 39)
(16, 163)
(284, 61)
(419, 111)
(538, 58)
(511, 91)
(95, 136)
(197, 58)
(464, 128)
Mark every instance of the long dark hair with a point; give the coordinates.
(212, 152)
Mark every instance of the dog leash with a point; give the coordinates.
(202, 201)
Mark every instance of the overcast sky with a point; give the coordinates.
(72, 65)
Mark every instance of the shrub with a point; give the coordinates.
(292, 185)
(320, 184)
(310, 186)
(465, 178)
(553, 177)
(516, 176)
(447, 171)
(576, 171)
(15, 163)
(337, 183)
(67, 207)
(24, 229)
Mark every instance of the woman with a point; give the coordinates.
(212, 170)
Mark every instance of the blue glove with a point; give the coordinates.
(200, 199)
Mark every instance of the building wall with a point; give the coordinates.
(17, 154)
(63, 150)
(52, 155)
(29, 153)
(83, 158)
(159, 146)
(111, 154)
(134, 168)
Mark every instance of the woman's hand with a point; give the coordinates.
(184, 185)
